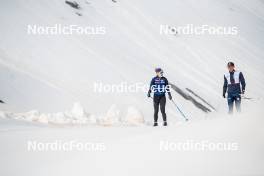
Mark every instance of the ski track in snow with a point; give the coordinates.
(190, 98)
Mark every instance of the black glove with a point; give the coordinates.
(224, 95)
(170, 97)
(148, 94)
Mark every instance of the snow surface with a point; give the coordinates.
(136, 150)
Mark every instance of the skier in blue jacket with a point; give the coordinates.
(233, 80)
(159, 85)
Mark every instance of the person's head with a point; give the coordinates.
(230, 66)
(159, 72)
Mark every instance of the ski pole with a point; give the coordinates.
(180, 111)
(246, 98)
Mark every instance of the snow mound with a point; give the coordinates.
(78, 116)
(78, 111)
(134, 116)
(2, 114)
(112, 117)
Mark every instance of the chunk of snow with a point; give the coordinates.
(78, 115)
(78, 111)
(2, 114)
(134, 116)
(92, 119)
(112, 117)
(43, 118)
(31, 115)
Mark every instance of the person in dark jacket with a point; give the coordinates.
(160, 86)
(233, 81)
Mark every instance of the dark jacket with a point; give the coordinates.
(159, 85)
(233, 82)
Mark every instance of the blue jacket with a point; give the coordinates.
(232, 81)
(159, 85)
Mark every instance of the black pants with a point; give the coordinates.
(159, 101)
(231, 99)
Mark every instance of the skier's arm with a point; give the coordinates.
(168, 88)
(225, 86)
(150, 87)
(242, 81)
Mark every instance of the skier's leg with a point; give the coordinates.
(156, 108)
(162, 108)
(230, 101)
(238, 103)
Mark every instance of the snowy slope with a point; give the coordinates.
(51, 72)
